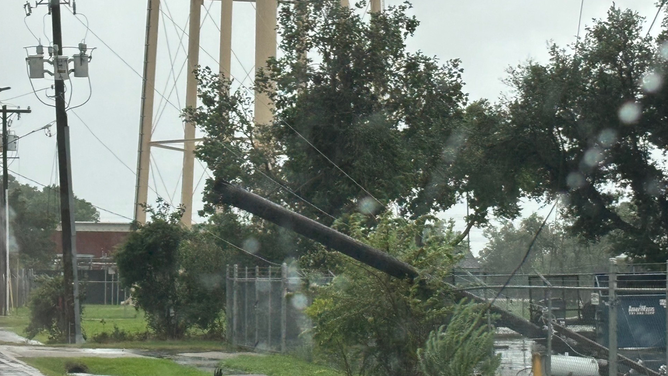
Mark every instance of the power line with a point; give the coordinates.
(655, 17)
(26, 94)
(241, 249)
(43, 185)
(109, 149)
(36, 130)
(577, 38)
(120, 57)
(102, 142)
(526, 254)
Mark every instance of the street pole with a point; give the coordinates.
(5, 205)
(5, 199)
(70, 278)
(612, 319)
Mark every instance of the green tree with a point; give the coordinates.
(202, 282)
(34, 215)
(391, 119)
(371, 324)
(148, 262)
(181, 281)
(556, 249)
(47, 310)
(590, 124)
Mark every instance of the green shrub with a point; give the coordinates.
(368, 323)
(181, 281)
(465, 345)
(117, 335)
(46, 309)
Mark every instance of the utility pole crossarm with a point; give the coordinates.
(16, 110)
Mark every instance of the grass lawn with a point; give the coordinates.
(278, 365)
(115, 367)
(102, 318)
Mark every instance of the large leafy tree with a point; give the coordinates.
(358, 116)
(590, 124)
(34, 215)
(369, 323)
(181, 281)
(360, 124)
(555, 249)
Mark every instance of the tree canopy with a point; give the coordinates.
(34, 215)
(360, 122)
(555, 250)
(590, 125)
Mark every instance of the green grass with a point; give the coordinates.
(96, 319)
(16, 321)
(278, 365)
(102, 318)
(115, 367)
(165, 345)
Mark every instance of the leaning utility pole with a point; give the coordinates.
(70, 278)
(5, 204)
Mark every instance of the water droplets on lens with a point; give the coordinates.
(652, 82)
(575, 180)
(629, 113)
(368, 206)
(251, 245)
(607, 137)
(593, 157)
(299, 301)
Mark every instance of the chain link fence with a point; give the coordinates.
(265, 312)
(265, 308)
(624, 310)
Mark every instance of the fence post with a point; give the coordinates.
(246, 309)
(548, 357)
(284, 306)
(612, 319)
(257, 306)
(235, 310)
(269, 309)
(229, 317)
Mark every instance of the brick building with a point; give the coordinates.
(95, 240)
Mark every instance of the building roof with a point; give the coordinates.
(100, 227)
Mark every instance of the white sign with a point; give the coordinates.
(641, 310)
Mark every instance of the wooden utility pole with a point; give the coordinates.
(146, 122)
(5, 203)
(70, 278)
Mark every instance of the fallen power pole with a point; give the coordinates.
(225, 193)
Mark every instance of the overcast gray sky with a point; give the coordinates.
(487, 35)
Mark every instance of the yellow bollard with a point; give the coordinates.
(536, 365)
